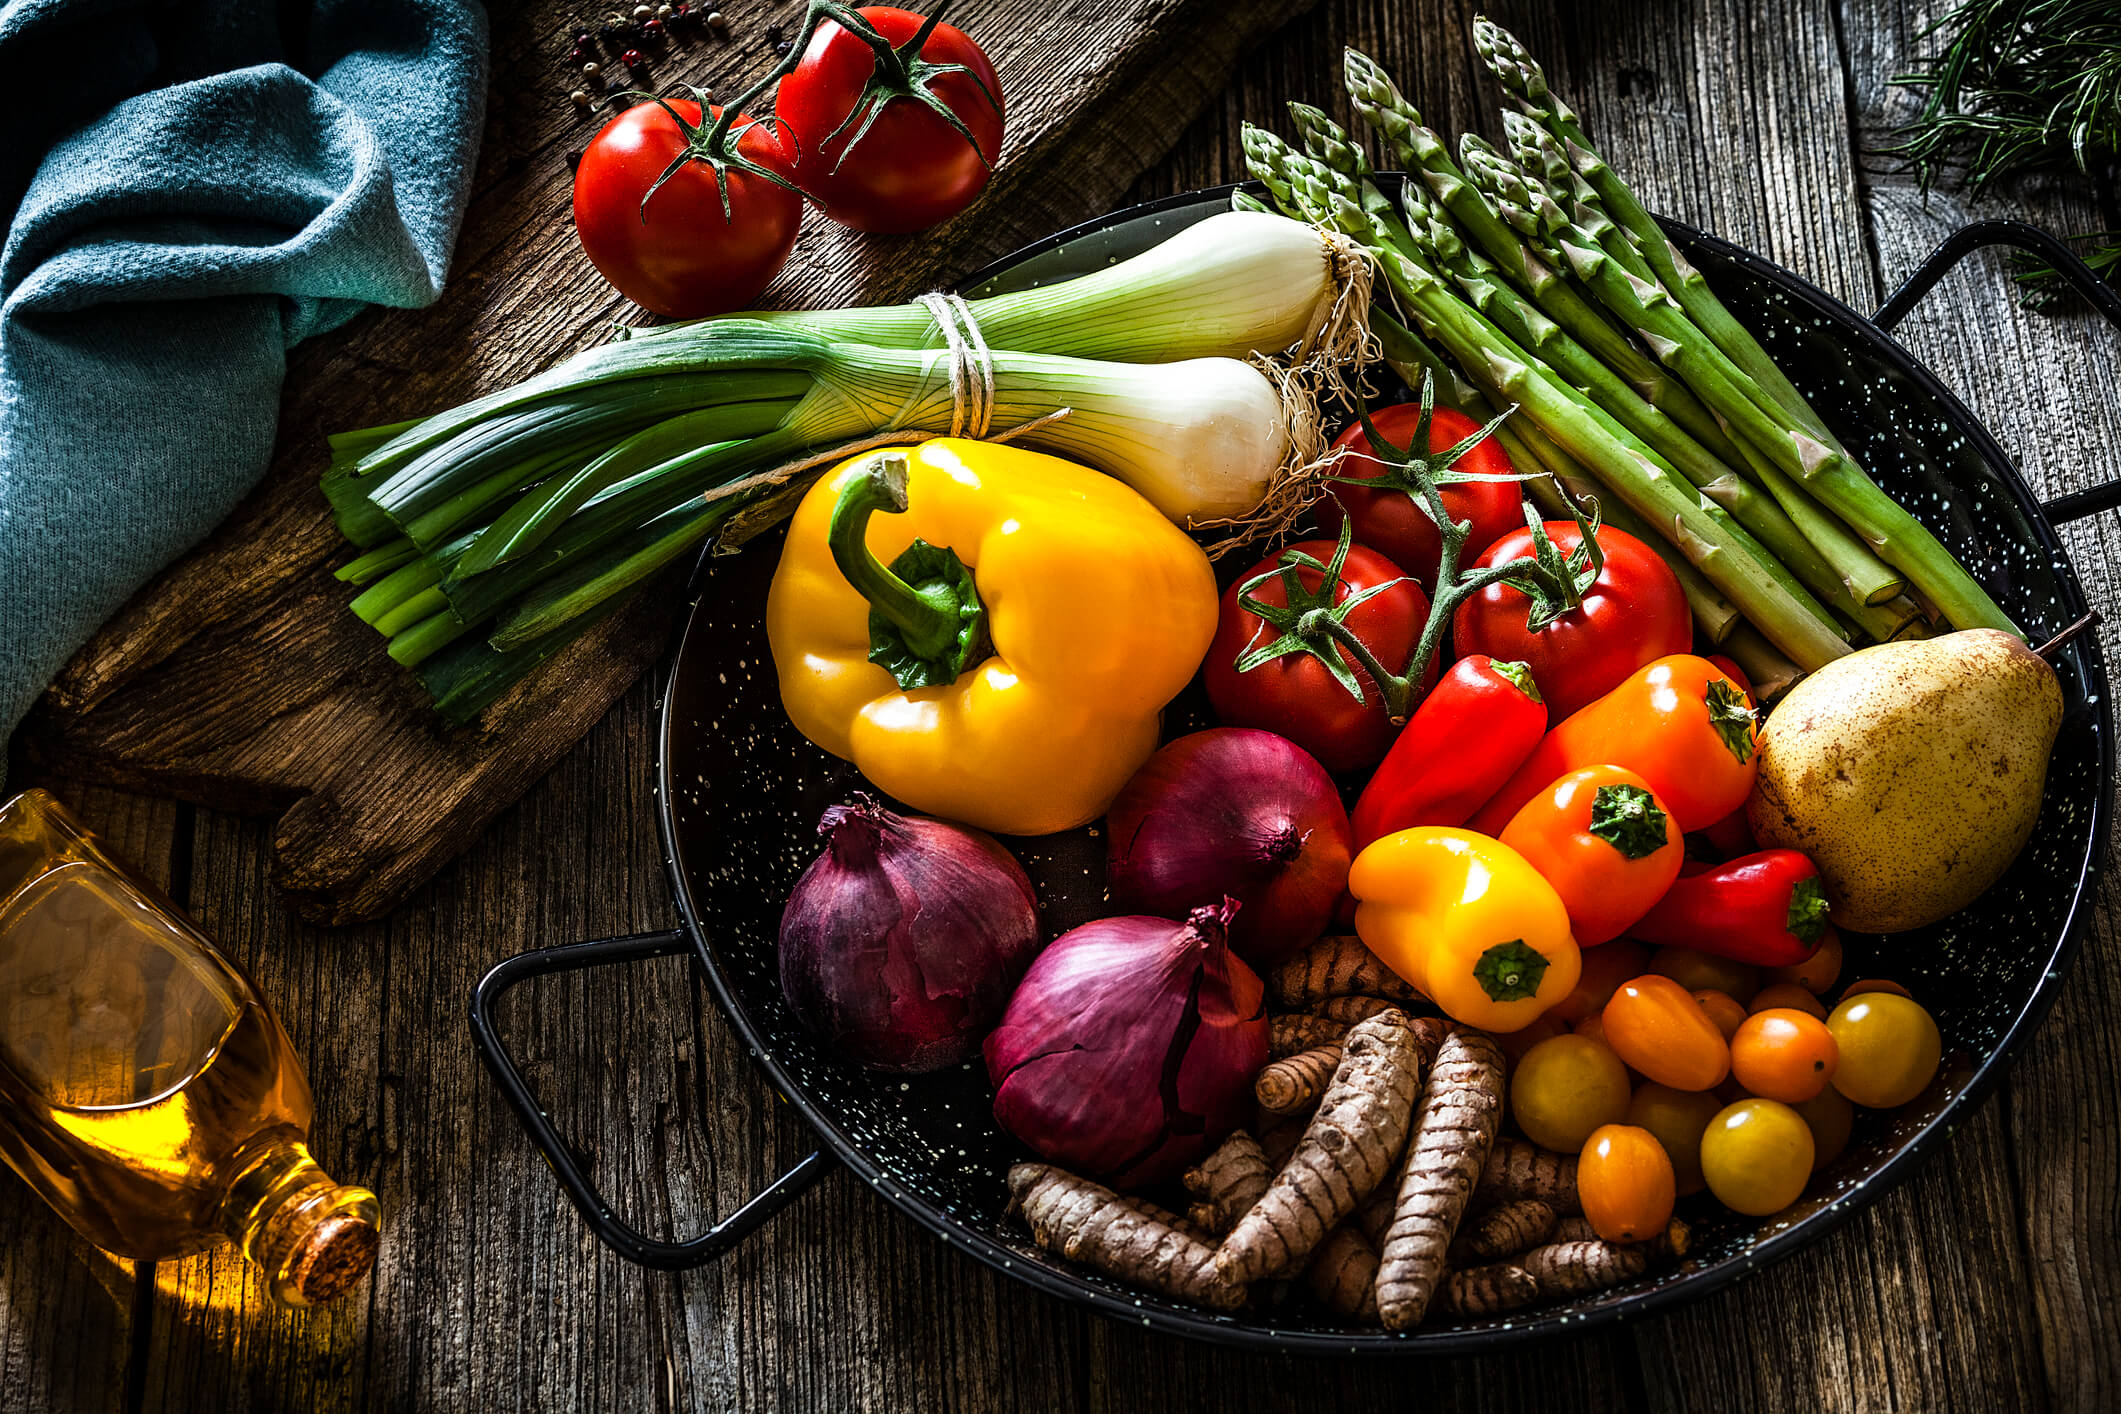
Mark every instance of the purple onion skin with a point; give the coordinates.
(1239, 813)
(902, 941)
(1130, 1047)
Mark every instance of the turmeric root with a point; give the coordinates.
(1503, 1232)
(1373, 1216)
(1337, 966)
(1351, 1009)
(1342, 1274)
(1672, 1242)
(1486, 1291)
(1516, 1169)
(1288, 1035)
(1574, 1268)
(1121, 1237)
(1461, 1107)
(1346, 1151)
(1227, 1182)
(1289, 1085)
(1281, 1141)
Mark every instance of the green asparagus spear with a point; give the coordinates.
(1857, 579)
(1723, 551)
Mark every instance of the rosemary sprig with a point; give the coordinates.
(2019, 87)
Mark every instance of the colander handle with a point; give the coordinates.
(573, 1174)
(2082, 278)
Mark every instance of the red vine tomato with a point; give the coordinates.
(1389, 516)
(1628, 611)
(683, 218)
(1277, 665)
(896, 119)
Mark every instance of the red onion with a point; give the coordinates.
(902, 940)
(1130, 1047)
(1234, 812)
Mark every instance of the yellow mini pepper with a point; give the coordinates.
(1469, 922)
(1010, 666)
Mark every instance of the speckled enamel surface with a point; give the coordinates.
(744, 792)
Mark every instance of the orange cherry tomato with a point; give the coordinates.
(1816, 973)
(1723, 1009)
(1788, 996)
(1593, 1026)
(1606, 845)
(1678, 1118)
(1625, 1182)
(1784, 1054)
(1657, 1027)
(1700, 971)
(1604, 968)
(1830, 1117)
(1875, 984)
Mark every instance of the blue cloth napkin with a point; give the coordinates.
(193, 187)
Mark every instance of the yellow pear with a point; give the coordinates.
(1910, 773)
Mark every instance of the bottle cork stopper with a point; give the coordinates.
(332, 1257)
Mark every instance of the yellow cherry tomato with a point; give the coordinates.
(1784, 1054)
(1564, 1088)
(1660, 1030)
(1697, 971)
(1624, 1180)
(1830, 1117)
(1789, 996)
(1757, 1156)
(1889, 1049)
(1678, 1118)
(1875, 984)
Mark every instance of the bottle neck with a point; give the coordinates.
(313, 1238)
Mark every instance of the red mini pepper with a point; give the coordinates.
(1767, 909)
(1473, 730)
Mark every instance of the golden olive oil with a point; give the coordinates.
(145, 1090)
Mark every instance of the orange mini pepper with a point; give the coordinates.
(1467, 922)
(1601, 839)
(1678, 723)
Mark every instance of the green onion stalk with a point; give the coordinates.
(506, 524)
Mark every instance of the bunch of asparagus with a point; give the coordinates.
(1537, 278)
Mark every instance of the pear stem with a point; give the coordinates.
(2047, 650)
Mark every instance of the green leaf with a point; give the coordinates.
(1519, 676)
(1510, 972)
(1807, 915)
(1629, 819)
(1732, 717)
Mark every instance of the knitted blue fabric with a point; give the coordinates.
(193, 187)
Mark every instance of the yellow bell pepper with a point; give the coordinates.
(1467, 921)
(1010, 668)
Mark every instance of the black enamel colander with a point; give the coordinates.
(739, 792)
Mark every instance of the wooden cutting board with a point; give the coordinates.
(238, 679)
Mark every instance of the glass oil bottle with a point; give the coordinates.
(145, 1090)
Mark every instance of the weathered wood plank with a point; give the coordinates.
(2050, 390)
(239, 680)
(67, 1309)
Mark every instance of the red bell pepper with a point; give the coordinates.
(1768, 909)
(1731, 836)
(1470, 734)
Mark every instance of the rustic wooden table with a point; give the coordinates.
(1991, 1281)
